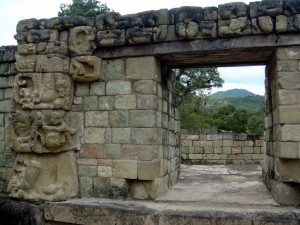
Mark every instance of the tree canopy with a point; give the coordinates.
(87, 8)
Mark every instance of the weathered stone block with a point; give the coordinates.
(138, 191)
(52, 65)
(93, 151)
(121, 135)
(195, 156)
(288, 53)
(287, 114)
(101, 187)
(266, 8)
(82, 40)
(118, 87)
(119, 118)
(214, 137)
(210, 13)
(107, 103)
(48, 132)
(42, 91)
(89, 103)
(112, 151)
(125, 102)
(148, 170)
(287, 65)
(287, 170)
(113, 69)
(288, 150)
(147, 102)
(25, 63)
(93, 135)
(27, 24)
(82, 89)
(149, 71)
(86, 186)
(88, 162)
(145, 136)
(281, 24)
(234, 27)
(96, 119)
(48, 177)
(142, 118)
(139, 152)
(288, 132)
(125, 169)
(86, 170)
(232, 10)
(105, 171)
(208, 29)
(111, 37)
(97, 88)
(118, 187)
(145, 87)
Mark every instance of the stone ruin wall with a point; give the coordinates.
(96, 124)
(205, 146)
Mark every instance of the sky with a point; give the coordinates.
(12, 11)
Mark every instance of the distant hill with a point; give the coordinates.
(240, 98)
(233, 93)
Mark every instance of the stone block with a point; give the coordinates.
(148, 170)
(106, 102)
(82, 89)
(113, 69)
(149, 71)
(52, 65)
(101, 186)
(142, 118)
(232, 10)
(288, 97)
(288, 53)
(287, 114)
(104, 171)
(93, 151)
(227, 150)
(287, 170)
(121, 135)
(96, 119)
(118, 187)
(82, 40)
(287, 65)
(104, 162)
(145, 136)
(289, 150)
(234, 27)
(111, 37)
(139, 152)
(112, 151)
(119, 118)
(125, 169)
(210, 13)
(147, 102)
(125, 102)
(44, 177)
(214, 137)
(145, 87)
(118, 87)
(87, 170)
(97, 88)
(3, 82)
(281, 24)
(138, 191)
(236, 150)
(217, 143)
(288, 132)
(86, 186)
(93, 135)
(227, 143)
(89, 162)
(195, 156)
(89, 103)
(158, 186)
(209, 150)
(247, 150)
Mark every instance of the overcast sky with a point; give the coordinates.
(12, 11)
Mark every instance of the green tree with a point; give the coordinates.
(191, 82)
(87, 8)
(255, 122)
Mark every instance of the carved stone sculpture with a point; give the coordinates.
(25, 63)
(82, 40)
(44, 131)
(85, 68)
(111, 37)
(47, 177)
(42, 91)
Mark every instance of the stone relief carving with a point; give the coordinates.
(82, 40)
(46, 177)
(85, 68)
(44, 131)
(42, 91)
(25, 63)
(111, 37)
(52, 65)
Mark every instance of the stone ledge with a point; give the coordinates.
(104, 211)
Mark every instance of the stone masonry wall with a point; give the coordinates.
(281, 167)
(217, 147)
(7, 75)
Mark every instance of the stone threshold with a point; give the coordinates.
(89, 211)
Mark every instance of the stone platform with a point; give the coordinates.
(211, 195)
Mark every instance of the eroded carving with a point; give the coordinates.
(25, 63)
(42, 91)
(82, 40)
(85, 68)
(44, 131)
(54, 64)
(111, 37)
(234, 27)
(44, 178)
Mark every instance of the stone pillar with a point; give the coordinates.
(282, 125)
(129, 140)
